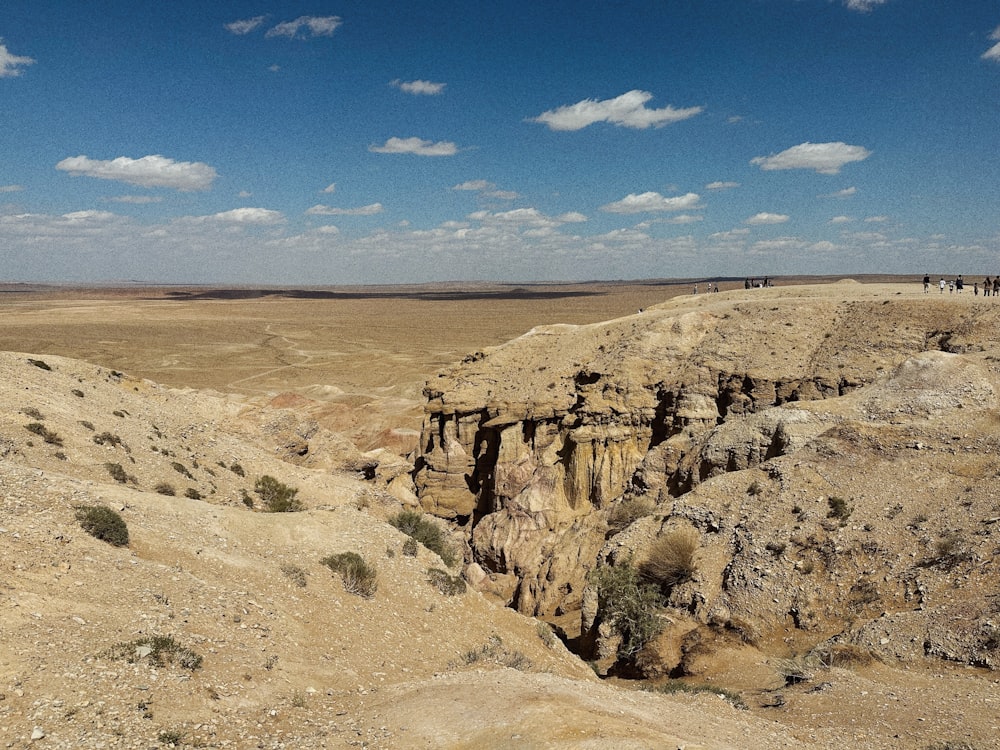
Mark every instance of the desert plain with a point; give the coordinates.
(307, 384)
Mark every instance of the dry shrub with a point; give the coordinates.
(670, 559)
(625, 513)
(358, 576)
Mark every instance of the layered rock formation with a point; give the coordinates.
(738, 416)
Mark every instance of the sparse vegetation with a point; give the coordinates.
(160, 649)
(798, 669)
(839, 509)
(103, 523)
(40, 364)
(277, 497)
(165, 488)
(626, 513)
(107, 438)
(426, 532)
(295, 574)
(494, 652)
(237, 469)
(679, 686)
(118, 473)
(170, 737)
(33, 413)
(50, 437)
(120, 413)
(192, 494)
(446, 583)
(670, 560)
(358, 576)
(629, 604)
(547, 634)
(87, 425)
(77, 392)
(411, 547)
(181, 469)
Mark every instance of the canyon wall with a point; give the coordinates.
(697, 407)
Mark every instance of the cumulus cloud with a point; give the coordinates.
(993, 53)
(685, 219)
(261, 216)
(845, 193)
(416, 146)
(11, 188)
(148, 171)
(90, 216)
(719, 185)
(245, 26)
(313, 26)
(767, 218)
(863, 6)
(369, 210)
(841, 220)
(646, 202)
(628, 110)
(427, 88)
(10, 64)
(476, 185)
(527, 217)
(825, 158)
(136, 199)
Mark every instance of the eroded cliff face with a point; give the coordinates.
(533, 446)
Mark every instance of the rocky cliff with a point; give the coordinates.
(832, 448)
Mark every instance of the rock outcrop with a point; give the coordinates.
(740, 416)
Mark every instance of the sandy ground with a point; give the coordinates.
(371, 350)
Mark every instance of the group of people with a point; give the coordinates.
(956, 285)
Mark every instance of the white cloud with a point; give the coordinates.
(11, 188)
(10, 64)
(331, 188)
(993, 53)
(825, 158)
(320, 210)
(628, 110)
(685, 219)
(416, 146)
(427, 88)
(477, 185)
(841, 220)
(316, 25)
(767, 218)
(719, 185)
(876, 219)
(262, 216)
(245, 26)
(136, 199)
(90, 216)
(845, 193)
(148, 171)
(502, 195)
(636, 204)
(274, 68)
(863, 6)
(527, 217)
(244, 194)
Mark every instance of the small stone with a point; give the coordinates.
(37, 734)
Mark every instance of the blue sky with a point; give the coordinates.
(365, 141)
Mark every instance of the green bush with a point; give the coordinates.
(429, 534)
(277, 497)
(358, 576)
(103, 523)
(629, 604)
(670, 559)
(839, 508)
